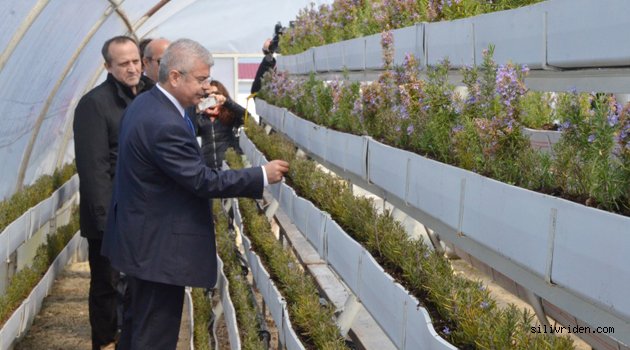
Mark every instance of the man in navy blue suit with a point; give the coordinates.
(160, 230)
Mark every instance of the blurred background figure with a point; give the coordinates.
(152, 55)
(218, 126)
(142, 45)
(270, 46)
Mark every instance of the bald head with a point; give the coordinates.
(153, 55)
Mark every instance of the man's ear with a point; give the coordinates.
(107, 67)
(174, 77)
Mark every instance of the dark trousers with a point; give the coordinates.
(103, 297)
(153, 319)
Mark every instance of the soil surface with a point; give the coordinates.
(63, 324)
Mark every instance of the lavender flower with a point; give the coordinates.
(591, 138)
(509, 86)
(613, 119)
(484, 305)
(446, 330)
(565, 126)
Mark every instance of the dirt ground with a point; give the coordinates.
(63, 322)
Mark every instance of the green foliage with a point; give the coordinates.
(537, 110)
(22, 283)
(313, 322)
(586, 165)
(435, 138)
(29, 196)
(463, 311)
(240, 293)
(203, 308)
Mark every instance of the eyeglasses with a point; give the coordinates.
(200, 80)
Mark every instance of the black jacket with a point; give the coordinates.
(268, 62)
(216, 138)
(96, 123)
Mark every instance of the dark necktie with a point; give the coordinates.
(190, 123)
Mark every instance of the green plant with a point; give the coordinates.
(312, 321)
(203, 309)
(462, 310)
(240, 292)
(537, 110)
(585, 165)
(435, 137)
(29, 196)
(23, 281)
(347, 19)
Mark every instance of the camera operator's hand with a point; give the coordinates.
(275, 170)
(220, 98)
(213, 111)
(265, 48)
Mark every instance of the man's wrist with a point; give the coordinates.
(265, 180)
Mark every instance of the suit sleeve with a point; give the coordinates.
(91, 143)
(177, 155)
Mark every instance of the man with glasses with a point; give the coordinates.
(153, 53)
(96, 123)
(160, 231)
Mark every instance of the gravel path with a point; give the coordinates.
(63, 322)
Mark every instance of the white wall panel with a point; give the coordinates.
(335, 54)
(435, 188)
(344, 254)
(591, 255)
(388, 168)
(452, 39)
(587, 33)
(493, 216)
(320, 58)
(318, 140)
(408, 41)
(518, 35)
(353, 54)
(383, 298)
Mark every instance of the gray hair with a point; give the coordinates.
(181, 56)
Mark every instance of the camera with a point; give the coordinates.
(207, 102)
(278, 30)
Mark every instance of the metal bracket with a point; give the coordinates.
(272, 207)
(536, 302)
(351, 309)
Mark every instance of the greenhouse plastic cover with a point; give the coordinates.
(51, 57)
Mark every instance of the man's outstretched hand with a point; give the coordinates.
(275, 170)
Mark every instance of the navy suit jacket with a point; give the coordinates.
(160, 225)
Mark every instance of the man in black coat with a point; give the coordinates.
(96, 124)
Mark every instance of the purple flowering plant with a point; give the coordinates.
(591, 162)
(347, 19)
